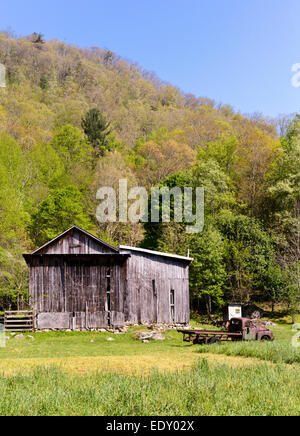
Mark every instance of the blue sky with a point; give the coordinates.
(238, 52)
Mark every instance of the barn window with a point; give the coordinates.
(154, 288)
(86, 275)
(108, 295)
(172, 304)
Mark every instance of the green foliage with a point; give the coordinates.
(208, 272)
(96, 128)
(13, 217)
(69, 143)
(57, 149)
(44, 84)
(249, 254)
(13, 277)
(61, 210)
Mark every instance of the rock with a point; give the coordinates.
(148, 336)
(92, 341)
(102, 330)
(110, 339)
(145, 341)
(158, 337)
(20, 337)
(142, 335)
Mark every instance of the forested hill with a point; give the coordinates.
(53, 160)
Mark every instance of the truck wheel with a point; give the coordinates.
(213, 341)
(265, 338)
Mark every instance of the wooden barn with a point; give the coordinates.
(77, 281)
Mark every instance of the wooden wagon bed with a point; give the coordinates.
(209, 336)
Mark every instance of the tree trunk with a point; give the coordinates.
(208, 306)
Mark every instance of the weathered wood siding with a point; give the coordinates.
(150, 281)
(77, 287)
(69, 280)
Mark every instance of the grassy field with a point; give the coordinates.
(72, 373)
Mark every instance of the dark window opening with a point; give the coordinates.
(155, 314)
(108, 296)
(235, 326)
(172, 305)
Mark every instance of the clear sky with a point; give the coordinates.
(238, 52)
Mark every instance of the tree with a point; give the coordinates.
(96, 128)
(207, 272)
(219, 189)
(13, 180)
(249, 252)
(37, 38)
(70, 144)
(13, 276)
(276, 284)
(284, 191)
(222, 151)
(44, 84)
(255, 153)
(62, 209)
(109, 171)
(163, 155)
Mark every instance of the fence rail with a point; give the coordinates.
(19, 321)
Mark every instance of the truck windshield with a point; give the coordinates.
(235, 325)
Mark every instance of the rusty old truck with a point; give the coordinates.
(238, 329)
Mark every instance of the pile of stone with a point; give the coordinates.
(149, 336)
(163, 327)
(266, 323)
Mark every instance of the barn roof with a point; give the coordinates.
(156, 253)
(122, 250)
(116, 250)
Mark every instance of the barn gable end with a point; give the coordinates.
(76, 241)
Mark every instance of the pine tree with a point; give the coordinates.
(44, 82)
(96, 128)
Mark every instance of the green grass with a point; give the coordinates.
(70, 344)
(203, 390)
(279, 351)
(74, 373)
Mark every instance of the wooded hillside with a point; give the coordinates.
(73, 120)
